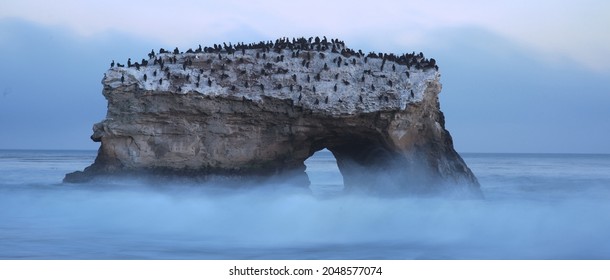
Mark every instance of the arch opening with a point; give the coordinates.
(324, 175)
(347, 162)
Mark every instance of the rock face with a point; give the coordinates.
(263, 109)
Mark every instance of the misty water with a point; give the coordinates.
(535, 207)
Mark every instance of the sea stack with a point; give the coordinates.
(257, 116)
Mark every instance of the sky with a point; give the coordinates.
(518, 76)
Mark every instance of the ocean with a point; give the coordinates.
(536, 206)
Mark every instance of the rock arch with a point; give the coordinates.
(387, 138)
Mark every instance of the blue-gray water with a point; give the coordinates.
(536, 207)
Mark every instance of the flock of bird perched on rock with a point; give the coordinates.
(301, 44)
(210, 65)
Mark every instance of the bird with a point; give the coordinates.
(326, 100)
(112, 64)
(145, 77)
(209, 82)
(122, 78)
(335, 87)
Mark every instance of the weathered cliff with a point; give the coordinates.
(262, 110)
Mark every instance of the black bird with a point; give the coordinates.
(122, 78)
(161, 81)
(300, 96)
(197, 84)
(262, 87)
(112, 64)
(373, 87)
(308, 79)
(362, 79)
(337, 76)
(335, 88)
(291, 88)
(314, 89)
(390, 83)
(246, 84)
(145, 77)
(294, 77)
(317, 77)
(393, 67)
(412, 94)
(316, 102)
(300, 88)
(129, 62)
(360, 98)
(407, 74)
(326, 100)
(233, 87)
(209, 82)
(155, 73)
(325, 66)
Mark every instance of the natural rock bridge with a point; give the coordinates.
(263, 109)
